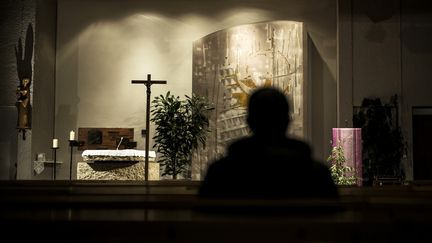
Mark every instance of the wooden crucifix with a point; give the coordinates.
(148, 83)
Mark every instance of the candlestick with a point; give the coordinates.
(71, 144)
(55, 143)
(55, 160)
(71, 135)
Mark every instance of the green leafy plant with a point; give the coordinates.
(383, 142)
(181, 126)
(341, 174)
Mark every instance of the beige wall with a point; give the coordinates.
(103, 45)
(383, 48)
(44, 83)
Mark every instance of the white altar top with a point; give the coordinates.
(117, 155)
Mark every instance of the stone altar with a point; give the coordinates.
(127, 164)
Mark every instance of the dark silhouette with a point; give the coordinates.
(268, 164)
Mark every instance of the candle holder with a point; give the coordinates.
(72, 144)
(55, 162)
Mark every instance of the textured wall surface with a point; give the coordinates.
(15, 16)
(14, 19)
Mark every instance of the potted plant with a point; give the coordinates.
(341, 174)
(181, 126)
(383, 142)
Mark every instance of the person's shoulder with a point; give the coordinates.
(217, 179)
(243, 144)
(242, 141)
(216, 164)
(297, 142)
(319, 165)
(323, 179)
(298, 145)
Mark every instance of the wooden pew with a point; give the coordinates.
(171, 212)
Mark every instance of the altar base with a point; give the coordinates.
(116, 171)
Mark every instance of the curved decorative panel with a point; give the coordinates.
(229, 64)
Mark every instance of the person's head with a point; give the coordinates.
(268, 112)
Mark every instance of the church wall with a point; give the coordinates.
(14, 19)
(322, 104)
(44, 83)
(388, 53)
(416, 49)
(376, 51)
(17, 153)
(103, 45)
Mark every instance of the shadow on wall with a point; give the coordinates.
(24, 70)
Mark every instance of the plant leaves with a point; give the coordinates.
(181, 126)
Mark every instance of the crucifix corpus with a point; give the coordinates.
(148, 84)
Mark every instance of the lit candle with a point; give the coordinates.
(55, 143)
(72, 135)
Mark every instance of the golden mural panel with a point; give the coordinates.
(229, 64)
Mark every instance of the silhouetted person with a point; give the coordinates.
(268, 164)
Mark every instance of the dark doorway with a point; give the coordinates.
(422, 143)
